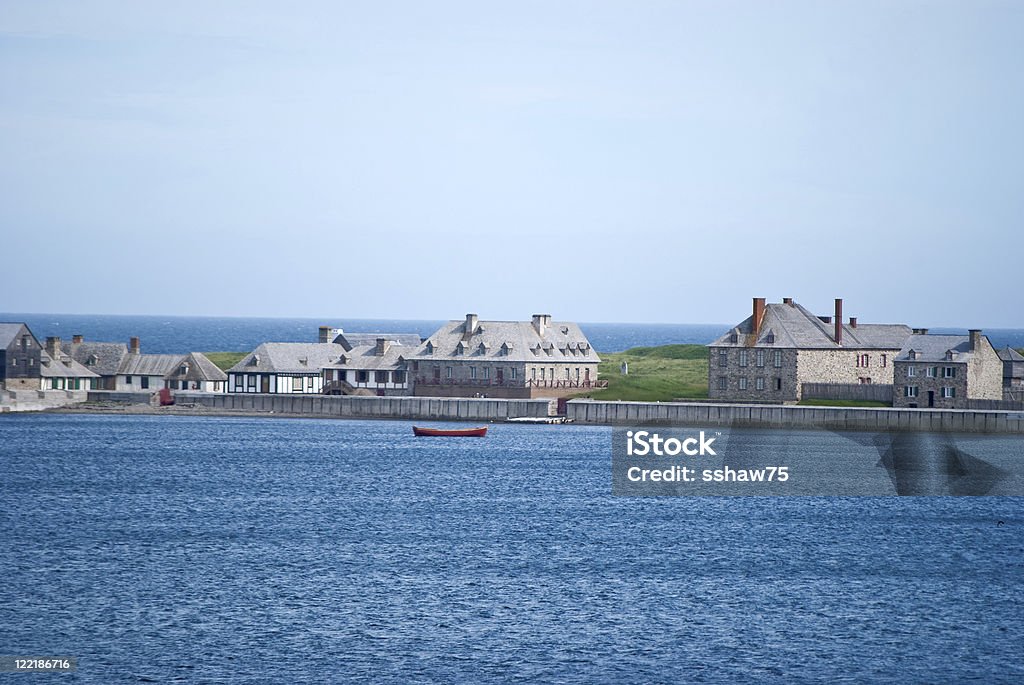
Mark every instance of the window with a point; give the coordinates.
(513, 372)
(743, 357)
(863, 361)
(381, 376)
(568, 373)
(932, 371)
(778, 384)
(760, 358)
(949, 392)
(910, 391)
(447, 372)
(743, 382)
(398, 377)
(487, 372)
(128, 380)
(362, 376)
(297, 384)
(777, 359)
(949, 372)
(472, 372)
(182, 370)
(723, 358)
(533, 373)
(144, 382)
(760, 383)
(14, 361)
(885, 360)
(723, 383)
(911, 371)
(252, 381)
(542, 373)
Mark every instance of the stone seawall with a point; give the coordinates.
(439, 408)
(828, 418)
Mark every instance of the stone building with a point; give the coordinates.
(1013, 373)
(20, 357)
(944, 371)
(781, 346)
(513, 359)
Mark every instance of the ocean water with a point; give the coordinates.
(257, 550)
(180, 334)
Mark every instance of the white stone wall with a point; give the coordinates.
(985, 374)
(844, 366)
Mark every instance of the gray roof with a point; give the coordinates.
(10, 331)
(65, 367)
(933, 348)
(360, 339)
(199, 368)
(149, 364)
(365, 357)
(508, 341)
(1008, 354)
(108, 356)
(301, 358)
(796, 327)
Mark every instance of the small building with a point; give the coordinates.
(771, 354)
(20, 357)
(373, 362)
(102, 358)
(59, 371)
(1013, 372)
(195, 372)
(512, 359)
(284, 368)
(945, 371)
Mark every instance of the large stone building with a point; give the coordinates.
(779, 347)
(516, 359)
(945, 371)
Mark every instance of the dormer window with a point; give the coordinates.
(460, 348)
(734, 336)
(183, 370)
(950, 354)
(912, 354)
(769, 338)
(92, 360)
(484, 348)
(255, 360)
(430, 347)
(304, 361)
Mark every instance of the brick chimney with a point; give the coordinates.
(975, 334)
(325, 334)
(758, 314)
(77, 339)
(133, 345)
(839, 321)
(53, 346)
(382, 347)
(853, 322)
(541, 322)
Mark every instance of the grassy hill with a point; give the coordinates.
(655, 374)
(225, 360)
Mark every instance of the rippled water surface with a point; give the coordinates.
(274, 550)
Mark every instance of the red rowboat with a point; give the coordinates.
(449, 432)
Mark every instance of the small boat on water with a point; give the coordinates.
(421, 432)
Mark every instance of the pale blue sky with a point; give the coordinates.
(604, 161)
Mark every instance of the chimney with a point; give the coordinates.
(470, 328)
(382, 347)
(53, 346)
(133, 345)
(77, 339)
(839, 321)
(825, 319)
(325, 334)
(975, 334)
(853, 322)
(758, 314)
(920, 331)
(541, 322)
(787, 300)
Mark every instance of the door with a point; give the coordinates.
(931, 398)
(437, 374)
(586, 376)
(500, 375)
(264, 383)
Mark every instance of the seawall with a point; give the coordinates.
(774, 416)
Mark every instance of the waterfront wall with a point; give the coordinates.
(828, 418)
(440, 408)
(876, 392)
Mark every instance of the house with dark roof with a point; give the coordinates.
(945, 371)
(771, 354)
(196, 372)
(20, 357)
(59, 371)
(515, 359)
(102, 358)
(1013, 372)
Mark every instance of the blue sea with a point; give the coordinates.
(259, 550)
(181, 334)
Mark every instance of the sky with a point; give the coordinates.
(630, 161)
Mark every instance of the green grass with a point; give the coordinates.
(843, 403)
(656, 374)
(225, 360)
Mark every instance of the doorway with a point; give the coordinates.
(931, 398)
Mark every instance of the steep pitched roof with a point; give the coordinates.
(933, 348)
(198, 367)
(10, 331)
(509, 341)
(104, 358)
(64, 367)
(360, 339)
(794, 326)
(301, 358)
(148, 364)
(1008, 354)
(365, 357)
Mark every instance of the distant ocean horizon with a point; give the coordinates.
(180, 334)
